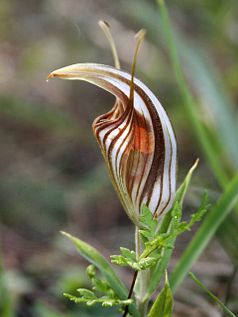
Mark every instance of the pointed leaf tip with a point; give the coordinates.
(140, 35)
(66, 234)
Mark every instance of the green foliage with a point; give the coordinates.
(225, 123)
(163, 305)
(101, 286)
(98, 260)
(128, 258)
(170, 227)
(158, 246)
(212, 296)
(155, 241)
(45, 178)
(149, 224)
(205, 233)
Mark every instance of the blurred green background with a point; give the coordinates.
(52, 174)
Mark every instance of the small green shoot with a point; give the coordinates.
(99, 286)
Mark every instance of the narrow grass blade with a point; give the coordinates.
(200, 71)
(205, 140)
(213, 99)
(212, 296)
(206, 231)
(188, 99)
(97, 259)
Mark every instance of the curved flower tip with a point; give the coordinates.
(136, 139)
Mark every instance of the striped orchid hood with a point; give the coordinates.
(135, 137)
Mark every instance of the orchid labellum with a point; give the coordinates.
(135, 136)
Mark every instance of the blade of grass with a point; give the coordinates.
(203, 137)
(201, 71)
(212, 95)
(212, 296)
(206, 231)
(188, 99)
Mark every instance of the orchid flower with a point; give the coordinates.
(136, 136)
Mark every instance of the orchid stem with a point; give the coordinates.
(142, 279)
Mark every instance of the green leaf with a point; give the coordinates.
(158, 271)
(97, 259)
(89, 298)
(180, 194)
(128, 258)
(86, 293)
(205, 233)
(198, 215)
(147, 262)
(149, 225)
(130, 254)
(212, 296)
(163, 305)
(99, 285)
(147, 220)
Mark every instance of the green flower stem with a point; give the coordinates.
(205, 232)
(142, 280)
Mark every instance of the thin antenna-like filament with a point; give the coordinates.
(106, 30)
(139, 40)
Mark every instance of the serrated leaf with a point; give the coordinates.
(128, 258)
(163, 305)
(122, 261)
(86, 293)
(198, 215)
(101, 286)
(149, 225)
(91, 299)
(130, 254)
(147, 262)
(119, 260)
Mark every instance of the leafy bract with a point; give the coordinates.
(163, 305)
